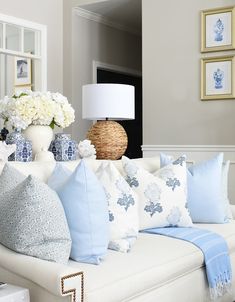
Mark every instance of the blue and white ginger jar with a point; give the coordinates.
(63, 147)
(23, 147)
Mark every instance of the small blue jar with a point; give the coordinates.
(63, 147)
(23, 147)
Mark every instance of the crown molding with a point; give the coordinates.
(103, 20)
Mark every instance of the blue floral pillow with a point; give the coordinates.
(163, 196)
(123, 208)
(207, 190)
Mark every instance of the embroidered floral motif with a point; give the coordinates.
(152, 208)
(173, 183)
(111, 216)
(130, 168)
(132, 181)
(174, 216)
(126, 201)
(179, 161)
(153, 194)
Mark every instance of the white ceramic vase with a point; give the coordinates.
(40, 136)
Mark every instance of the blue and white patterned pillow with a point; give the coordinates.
(162, 197)
(207, 183)
(33, 222)
(123, 208)
(10, 178)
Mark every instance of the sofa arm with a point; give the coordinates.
(58, 279)
(233, 210)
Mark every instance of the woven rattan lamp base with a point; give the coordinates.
(109, 139)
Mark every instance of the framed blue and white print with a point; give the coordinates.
(217, 78)
(217, 26)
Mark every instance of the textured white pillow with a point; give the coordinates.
(163, 197)
(123, 208)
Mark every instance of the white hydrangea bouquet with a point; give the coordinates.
(36, 108)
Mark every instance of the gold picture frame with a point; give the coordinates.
(218, 29)
(23, 72)
(217, 78)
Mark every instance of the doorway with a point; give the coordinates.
(133, 128)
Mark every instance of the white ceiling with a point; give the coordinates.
(123, 12)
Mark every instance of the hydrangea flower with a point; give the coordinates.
(36, 108)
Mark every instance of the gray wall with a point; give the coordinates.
(95, 41)
(173, 111)
(68, 36)
(50, 13)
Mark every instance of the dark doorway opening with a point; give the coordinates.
(134, 128)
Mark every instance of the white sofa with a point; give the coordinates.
(158, 268)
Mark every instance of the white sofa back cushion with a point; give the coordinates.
(43, 170)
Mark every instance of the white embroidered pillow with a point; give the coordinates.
(163, 196)
(123, 208)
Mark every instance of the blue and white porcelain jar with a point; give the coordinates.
(23, 147)
(63, 147)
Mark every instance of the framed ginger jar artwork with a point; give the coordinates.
(218, 29)
(217, 78)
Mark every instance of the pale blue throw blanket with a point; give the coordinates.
(216, 255)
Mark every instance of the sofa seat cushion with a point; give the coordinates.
(154, 261)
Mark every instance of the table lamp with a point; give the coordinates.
(107, 103)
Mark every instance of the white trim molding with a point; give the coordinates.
(194, 152)
(104, 20)
(40, 44)
(191, 148)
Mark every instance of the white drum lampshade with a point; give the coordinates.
(106, 103)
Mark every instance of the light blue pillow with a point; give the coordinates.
(59, 176)
(205, 202)
(86, 209)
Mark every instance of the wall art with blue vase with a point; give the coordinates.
(217, 78)
(23, 147)
(63, 147)
(217, 31)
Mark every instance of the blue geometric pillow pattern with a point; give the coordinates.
(123, 208)
(162, 197)
(207, 190)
